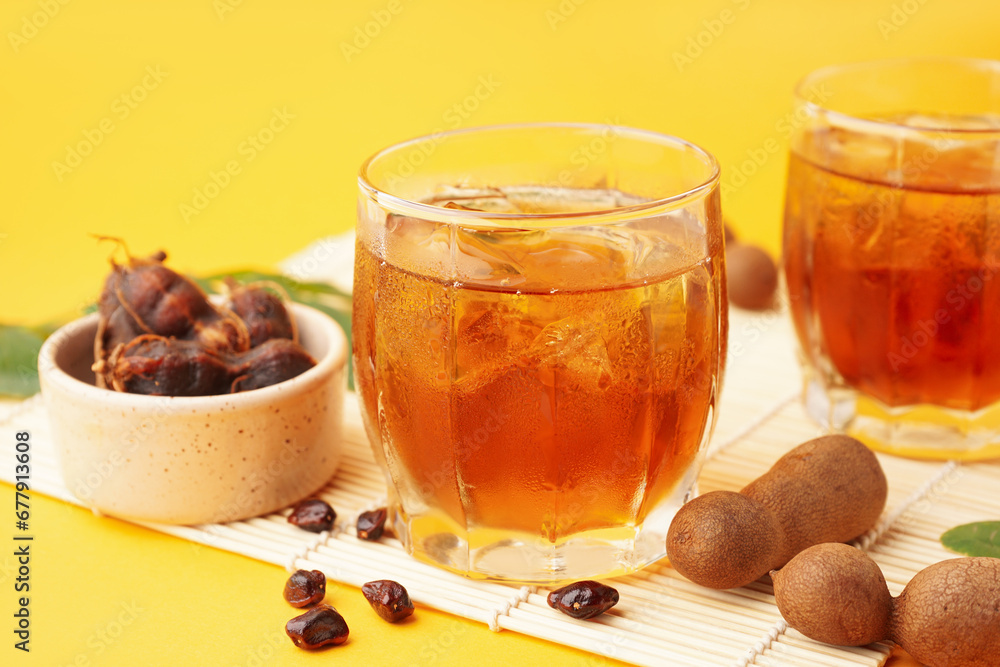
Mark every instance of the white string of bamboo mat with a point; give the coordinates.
(715, 449)
(11, 409)
(350, 561)
(865, 541)
(662, 618)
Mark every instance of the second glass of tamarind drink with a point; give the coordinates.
(539, 334)
(892, 253)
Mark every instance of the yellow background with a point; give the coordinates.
(224, 67)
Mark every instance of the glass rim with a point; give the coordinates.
(490, 220)
(982, 64)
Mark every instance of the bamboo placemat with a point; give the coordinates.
(662, 618)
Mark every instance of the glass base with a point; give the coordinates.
(515, 557)
(917, 431)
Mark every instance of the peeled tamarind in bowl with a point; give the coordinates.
(143, 296)
(159, 366)
(160, 334)
(261, 306)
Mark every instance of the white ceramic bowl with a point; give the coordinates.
(205, 459)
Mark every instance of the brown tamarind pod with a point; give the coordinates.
(117, 329)
(142, 296)
(159, 334)
(948, 615)
(114, 325)
(271, 362)
(159, 366)
(828, 489)
(261, 307)
(165, 303)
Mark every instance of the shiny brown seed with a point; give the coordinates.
(752, 277)
(371, 524)
(305, 587)
(320, 626)
(389, 599)
(583, 599)
(313, 515)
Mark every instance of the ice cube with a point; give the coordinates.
(483, 257)
(541, 256)
(490, 336)
(946, 121)
(414, 230)
(491, 200)
(531, 199)
(664, 244)
(575, 258)
(572, 349)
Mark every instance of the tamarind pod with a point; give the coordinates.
(829, 489)
(269, 363)
(163, 302)
(159, 366)
(108, 302)
(226, 333)
(263, 311)
(114, 324)
(113, 331)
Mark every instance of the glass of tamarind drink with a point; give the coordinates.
(892, 253)
(539, 332)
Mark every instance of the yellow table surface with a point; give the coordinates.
(122, 118)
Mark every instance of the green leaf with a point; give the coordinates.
(19, 359)
(974, 539)
(289, 284)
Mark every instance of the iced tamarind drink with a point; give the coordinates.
(538, 342)
(892, 253)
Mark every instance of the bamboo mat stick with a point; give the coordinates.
(662, 618)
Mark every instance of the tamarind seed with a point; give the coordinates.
(314, 515)
(371, 524)
(583, 599)
(305, 587)
(389, 599)
(320, 626)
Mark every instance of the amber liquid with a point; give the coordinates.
(541, 403)
(895, 291)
